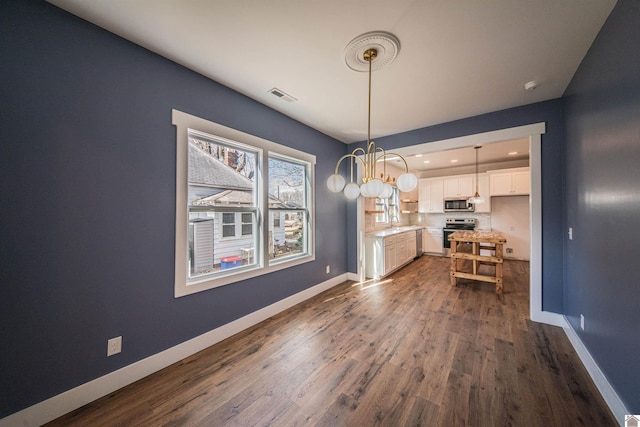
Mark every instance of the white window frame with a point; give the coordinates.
(183, 286)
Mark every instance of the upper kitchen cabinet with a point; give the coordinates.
(458, 186)
(430, 195)
(510, 182)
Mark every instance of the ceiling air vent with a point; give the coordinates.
(280, 94)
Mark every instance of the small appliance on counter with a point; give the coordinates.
(453, 225)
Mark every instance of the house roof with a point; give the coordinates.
(206, 170)
(234, 197)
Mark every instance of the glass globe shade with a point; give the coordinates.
(365, 190)
(407, 182)
(335, 183)
(352, 191)
(375, 187)
(387, 191)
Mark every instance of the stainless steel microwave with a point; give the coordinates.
(458, 205)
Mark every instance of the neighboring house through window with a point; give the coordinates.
(244, 205)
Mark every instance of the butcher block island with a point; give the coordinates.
(466, 245)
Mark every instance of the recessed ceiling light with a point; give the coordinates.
(427, 161)
(512, 153)
(418, 155)
(454, 161)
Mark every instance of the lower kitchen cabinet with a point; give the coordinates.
(432, 240)
(385, 254)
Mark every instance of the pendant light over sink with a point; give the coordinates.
(360, 55)
(476, 199)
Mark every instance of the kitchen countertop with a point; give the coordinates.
(391, 231)
(478, 236)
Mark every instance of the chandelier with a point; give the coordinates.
(364, 50)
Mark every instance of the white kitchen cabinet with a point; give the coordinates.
(385, 254)
(459, 186)
(389, 257)
(483, 189)
(510, 182)
(432, 240)
(401, 251)
(411, 247)
(430, 195)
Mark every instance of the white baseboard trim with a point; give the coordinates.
(606, 390)
(353, 276)
(58, 405)
(550, 318)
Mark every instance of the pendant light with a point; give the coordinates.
(476, 197)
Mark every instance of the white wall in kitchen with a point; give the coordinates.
(510, 215)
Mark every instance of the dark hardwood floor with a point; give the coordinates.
(410, 350)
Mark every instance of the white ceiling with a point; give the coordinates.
(457, 58)
(428, 157)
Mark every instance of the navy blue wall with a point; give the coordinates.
(87, 211)
(552, 149)
(602, 110)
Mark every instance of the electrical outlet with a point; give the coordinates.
(114, 346)
(570, 233)
(582, 322)
(328, 269)
(509, 250)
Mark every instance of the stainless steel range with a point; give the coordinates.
(455, 224)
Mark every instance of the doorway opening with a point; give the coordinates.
(533, 132)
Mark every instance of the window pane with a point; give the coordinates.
(220, 174)
(228, 231)
(287, 183)
(288, 237)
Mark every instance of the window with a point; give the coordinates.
(287, 207)
(387, 210)
(243, 205)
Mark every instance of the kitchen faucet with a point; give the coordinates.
(391, 220)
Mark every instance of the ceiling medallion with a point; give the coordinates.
(386, 45)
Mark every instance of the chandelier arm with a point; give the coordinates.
(353, 156)
(406, 167)
(384, 162)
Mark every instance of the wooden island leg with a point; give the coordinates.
(499, 268)
(454, 262)
(475, 251)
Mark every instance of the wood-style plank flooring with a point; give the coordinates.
(410, 350)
